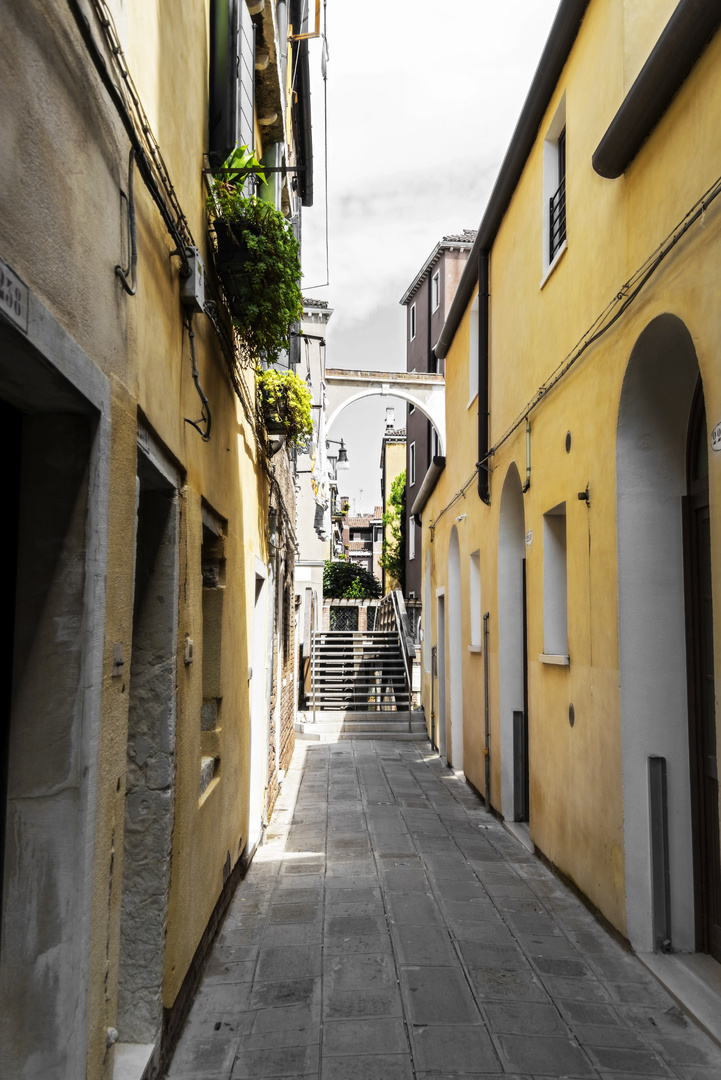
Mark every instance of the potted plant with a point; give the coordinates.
(257, 259)
(285, 402)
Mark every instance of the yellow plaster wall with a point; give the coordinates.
(62, 229)
(576, 813)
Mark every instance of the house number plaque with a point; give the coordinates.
(716, 438)
(13, 297)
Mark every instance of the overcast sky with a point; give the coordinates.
(422, 102)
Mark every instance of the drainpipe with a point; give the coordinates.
(527, 484)
(483, 334)
(487, 732)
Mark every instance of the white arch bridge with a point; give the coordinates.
(423, 389)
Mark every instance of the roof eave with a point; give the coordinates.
(558, 46)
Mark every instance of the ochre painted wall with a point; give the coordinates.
(576, 785)
(62, 229)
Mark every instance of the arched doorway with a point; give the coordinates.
(455, 655)
(512, 649)
(702, 697)
(441, 668)
(651, 474)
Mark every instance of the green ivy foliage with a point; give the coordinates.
(346, 580)
(272, 298)
(393, 556)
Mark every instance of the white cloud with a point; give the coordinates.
(422, 103)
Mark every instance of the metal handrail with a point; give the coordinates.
(313, 636)
(394, 616)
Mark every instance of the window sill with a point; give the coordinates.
(554, 658)
(556, 260)
(475, 648)
(472, 400)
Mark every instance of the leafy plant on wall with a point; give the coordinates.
(285, 400)
(257, 258)
(393, 555)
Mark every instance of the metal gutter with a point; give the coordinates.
(560, 40)
(484, 488)
(685, 37)
(430, 480)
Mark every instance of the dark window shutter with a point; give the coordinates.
(223, 103)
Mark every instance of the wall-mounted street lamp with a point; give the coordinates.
(342, 461)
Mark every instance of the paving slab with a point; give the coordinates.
(390, 929)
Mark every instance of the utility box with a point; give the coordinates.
(192, 287)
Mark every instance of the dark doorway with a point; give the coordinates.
(702, 711)
(521, 778)
(11, 436)
(515, 763)
(150, 771)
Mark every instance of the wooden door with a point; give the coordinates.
(702, 705)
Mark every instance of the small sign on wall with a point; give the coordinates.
(13, 297)
(716, 437)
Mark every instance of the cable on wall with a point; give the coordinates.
(155, 174)
(608, 318)
(205, 415)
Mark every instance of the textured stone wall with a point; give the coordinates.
(149, 783)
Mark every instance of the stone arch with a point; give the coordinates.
(397, 392)
(653, 417)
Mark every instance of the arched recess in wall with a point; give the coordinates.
(455, 654)
(653, 420)
(511, 629)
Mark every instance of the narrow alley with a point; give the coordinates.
(390, 928)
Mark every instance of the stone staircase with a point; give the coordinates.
(333, 725)
(357, 670)
(359, 689)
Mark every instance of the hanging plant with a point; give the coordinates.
(285, 401)
(257, 259)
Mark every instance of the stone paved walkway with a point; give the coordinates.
(391, 929)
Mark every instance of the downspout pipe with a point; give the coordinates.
(435, 469)
(527, 483)
(483, 465)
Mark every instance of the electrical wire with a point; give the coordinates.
(601, 325)
(151, 165)
(205, 415)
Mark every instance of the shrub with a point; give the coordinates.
(286, 399)
(341, 577)
(258, 260)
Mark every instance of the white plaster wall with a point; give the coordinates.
(511, 552)
(455, 662)
(441, 631)
(651, 480)
(260, 647)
